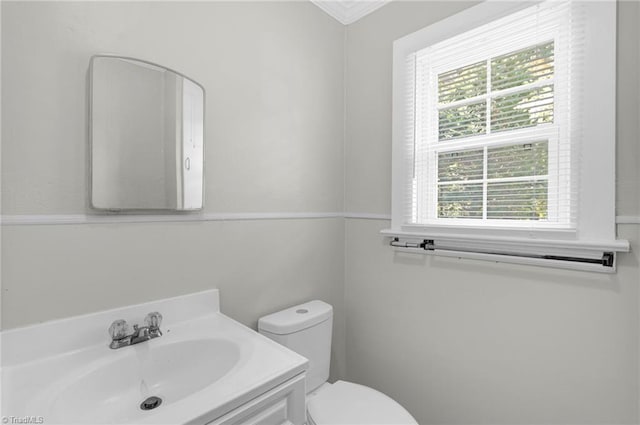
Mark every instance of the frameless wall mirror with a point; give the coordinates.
(147, 128)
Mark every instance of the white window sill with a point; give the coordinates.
(518, 250)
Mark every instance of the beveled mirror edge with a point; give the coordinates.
(97, 209)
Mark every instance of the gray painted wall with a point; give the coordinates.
(462, 341)
(274, 143)
(455, 341)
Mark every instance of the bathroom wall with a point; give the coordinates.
(455, 341)
(460, 341)
(273, 74)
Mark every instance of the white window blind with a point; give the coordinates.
(504, 131)
(494, 123)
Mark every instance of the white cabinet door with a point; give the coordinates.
(283, 405)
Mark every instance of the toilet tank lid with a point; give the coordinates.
(296, 318)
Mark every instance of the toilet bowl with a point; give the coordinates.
(346, 403)
(306, 329)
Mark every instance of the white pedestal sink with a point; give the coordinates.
(204, 367)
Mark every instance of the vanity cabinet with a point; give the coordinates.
(206, 368)
(282, 405)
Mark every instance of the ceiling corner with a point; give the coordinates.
(349, 11)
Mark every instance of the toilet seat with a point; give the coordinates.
(346, 403)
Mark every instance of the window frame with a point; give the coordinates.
(594, 228)
(550, 132)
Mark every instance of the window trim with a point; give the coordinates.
(490, 138)
(595, 229)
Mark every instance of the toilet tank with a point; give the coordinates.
(305, 329)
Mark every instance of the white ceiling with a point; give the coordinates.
(349, 11)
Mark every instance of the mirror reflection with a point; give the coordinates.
(147, 126)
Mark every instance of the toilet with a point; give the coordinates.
(306, 329)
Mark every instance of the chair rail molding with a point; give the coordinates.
(114, 218)
(60, 219)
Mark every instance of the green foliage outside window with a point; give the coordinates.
(462, 179)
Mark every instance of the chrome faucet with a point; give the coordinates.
(121, 336)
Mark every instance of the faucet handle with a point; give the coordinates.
(153, 320)
(118, 329)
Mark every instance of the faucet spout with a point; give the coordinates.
(121, 337)
(140, 334)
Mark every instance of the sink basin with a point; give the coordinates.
(112, 391)
(203, 367)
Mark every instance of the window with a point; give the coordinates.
(504, 128)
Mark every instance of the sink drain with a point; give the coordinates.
(151, 403)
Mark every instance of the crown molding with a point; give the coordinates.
(349, 11)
